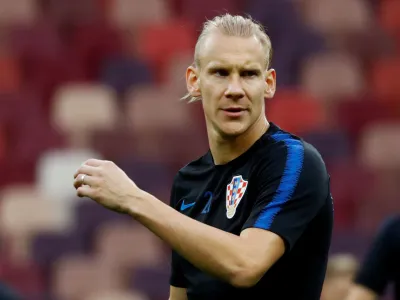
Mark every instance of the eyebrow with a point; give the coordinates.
(219, 67)
(245, 67)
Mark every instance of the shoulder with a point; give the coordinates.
(285, 153)
(390, 229)
(194, 167)
(185, 179)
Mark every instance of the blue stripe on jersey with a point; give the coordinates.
(289, 180)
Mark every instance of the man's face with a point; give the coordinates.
(233, 82)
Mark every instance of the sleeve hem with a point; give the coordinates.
(288, 245)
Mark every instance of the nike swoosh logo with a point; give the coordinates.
(186, 206)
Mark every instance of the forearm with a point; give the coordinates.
(214, 251)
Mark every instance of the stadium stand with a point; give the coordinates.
(103, 78)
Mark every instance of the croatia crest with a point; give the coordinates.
(234, 193)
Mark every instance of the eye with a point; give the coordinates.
(249, 73)
(221, 72)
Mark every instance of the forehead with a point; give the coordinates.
(220, 49)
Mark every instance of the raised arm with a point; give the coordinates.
(286, 202)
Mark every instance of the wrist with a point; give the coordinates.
(136, 203)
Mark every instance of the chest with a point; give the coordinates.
(220, 199)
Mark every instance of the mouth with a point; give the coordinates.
(234, 111)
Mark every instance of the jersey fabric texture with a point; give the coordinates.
(281, 185)
(382, 264)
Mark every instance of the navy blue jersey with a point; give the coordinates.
(281, 185)
(382, 263)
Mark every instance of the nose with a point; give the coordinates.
(234, 90)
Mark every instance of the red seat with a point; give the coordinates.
(28, 139)
(23, 142)
(3, 142)
(92, 43)
(348, 186)
(207, 10)
(38, 40)
(175, 6)
(384, 80)
(296, 111)
(160, 42)
(24, 277)
(114, 144)
(389, 13)
(10, 74)
(71, 12)
(19, 161)
(381, 201)
(355, 115)
(13, 171)
(53, 73)
(45, 61)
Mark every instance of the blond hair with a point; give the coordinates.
(237, 26)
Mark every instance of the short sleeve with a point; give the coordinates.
(177, 279)
(377, 269)
(292, 186)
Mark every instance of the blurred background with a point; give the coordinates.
(103, 78)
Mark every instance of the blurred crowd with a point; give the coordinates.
(103, 79)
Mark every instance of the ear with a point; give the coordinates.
(192, 81)
(270, 84)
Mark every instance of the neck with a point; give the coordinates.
(226, 149)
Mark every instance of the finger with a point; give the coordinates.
(78, 180)
(87, 180)
(94, 162)
(88, 170)
(85, 191)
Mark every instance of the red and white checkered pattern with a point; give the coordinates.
(240, 187)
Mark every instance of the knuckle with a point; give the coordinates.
(88, 162)
(99, 182)
(96, 193)
(100, 172)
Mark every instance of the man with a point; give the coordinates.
(340, 273)
(254, 214)
(381, 265)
